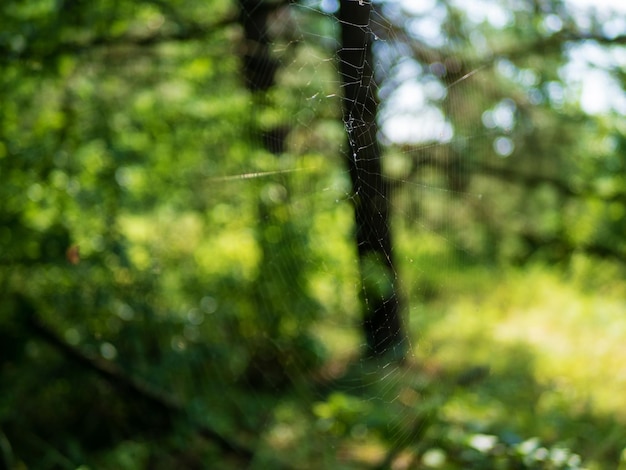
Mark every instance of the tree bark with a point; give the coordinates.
(381, 321)
(259, 67)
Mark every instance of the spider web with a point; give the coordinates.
(358, 399)
(435, 123)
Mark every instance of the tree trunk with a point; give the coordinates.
(259, 67)
(381, 323)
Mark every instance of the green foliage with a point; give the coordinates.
(166, 277)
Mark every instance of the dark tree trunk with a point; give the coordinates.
(381, 323)
(259, 67)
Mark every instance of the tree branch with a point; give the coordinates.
(533, 180)
(528, 180)
(564, 247)
(425, 54)
(189, 32)
(186, 31)
(128, 384)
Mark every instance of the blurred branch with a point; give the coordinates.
(512, 176)
(186, 30)
(462, 64)
(126, 383)
(617, 40)
(533, 180)
(105, 369)
(558, 243)
(565, 247)
(525, 179)
(188, 33)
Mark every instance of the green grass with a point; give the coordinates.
(552, 338)
(577, 339)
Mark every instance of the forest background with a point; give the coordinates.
(302, 234)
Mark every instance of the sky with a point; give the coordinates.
(597, 91)
(619, 5)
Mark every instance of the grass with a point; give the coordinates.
(576, 338)
(552, 338)
(532, 351)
